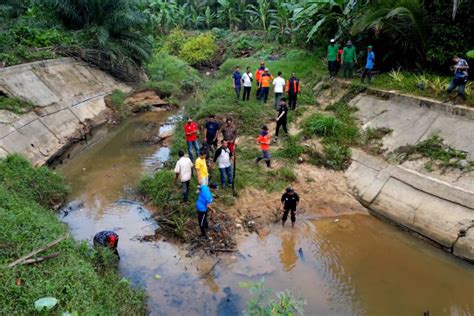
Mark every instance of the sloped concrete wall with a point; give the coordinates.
(69, 96)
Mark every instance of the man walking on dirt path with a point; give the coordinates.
(282, 118)
(107, 239)
(289, 202)
(258, 74)
(369, 65)
(460, 78)
(203, 203)
(247, 79)
(265, 81)
(201, 168)
(264, 141)
(223, 158)
(183, 171)
(332, 56)
(278, 87)
(211, 130)
(237, 82)
(349, 58)
(191, 129)
(292, 90)
(229, 132)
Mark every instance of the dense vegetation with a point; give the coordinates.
(76, 277)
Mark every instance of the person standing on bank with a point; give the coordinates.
(201, 168)
(278, 88)
(460, 78)
(264, 141)
(183, 171)
(369, 65)
(282, 118)
(332, 58)
(258, 74)
(292, 91)
(229, 132)
(289, 202)
(247, 79)
(203, 203)
(237, 82)
(265, 81)
(191, 129)
(223, 158)
(211, 130)
(349, 58)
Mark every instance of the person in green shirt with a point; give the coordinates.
(332, 57)
(349, 57)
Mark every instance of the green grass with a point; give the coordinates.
(75, 278)
(15, 105)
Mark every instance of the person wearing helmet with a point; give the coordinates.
(369, 65)
(332, 57)
(107, 239)
(289, 202)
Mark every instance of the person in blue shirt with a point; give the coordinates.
(460, 78)
(369, 65)
(203, 202)
(237, 81)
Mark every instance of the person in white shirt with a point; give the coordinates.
(247, 79)
(279, 86)
(183, 170)
(223, 158)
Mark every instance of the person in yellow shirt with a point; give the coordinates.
(201, 168)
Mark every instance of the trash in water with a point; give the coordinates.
(45, 303)
(157, 276)
(123, 280)
(336, 220)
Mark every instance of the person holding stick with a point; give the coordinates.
(203, 203)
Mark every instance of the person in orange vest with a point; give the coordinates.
(258, 75)
(292, 91)
(264, 141)
(265, 80)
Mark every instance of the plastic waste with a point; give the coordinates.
(45, 303)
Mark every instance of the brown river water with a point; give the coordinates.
(357, 265)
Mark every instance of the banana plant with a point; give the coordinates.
(263, 11)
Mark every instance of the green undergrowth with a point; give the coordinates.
(79, 277)
(438, 153)
(15, 105)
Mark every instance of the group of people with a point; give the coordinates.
(264, 80)
(346, 57)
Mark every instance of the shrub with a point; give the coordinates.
(321, 125)
(199, 50)
(336, 156)
(291, 148)
(15, 105)
(174, 42)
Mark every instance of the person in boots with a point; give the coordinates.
(289, 202)
(203, 203)
(264, 141)
(282, 118)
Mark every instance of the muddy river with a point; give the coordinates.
(355, 265)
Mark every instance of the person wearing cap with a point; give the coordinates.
(191, 129)
(184, 171)
(258, 74)
(349, 57)
(289, 202)
(292, 91)
(203, 203)
(201, 168)
(278, 87)
(264, 141)
(369, 65)
(332, 56)
(461, 76)
(237, 82)
(107, 239)
(265, 81)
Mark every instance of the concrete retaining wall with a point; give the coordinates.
(69, 96)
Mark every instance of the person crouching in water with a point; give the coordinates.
(107, 239)
(289, 202)
(203, 203)
(264, 141)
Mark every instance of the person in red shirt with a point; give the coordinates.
(191, 129)
(264, 141)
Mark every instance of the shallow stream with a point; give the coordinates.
(352, 265)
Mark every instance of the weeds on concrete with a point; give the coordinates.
(15, 105)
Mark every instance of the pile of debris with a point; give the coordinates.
(147, 100)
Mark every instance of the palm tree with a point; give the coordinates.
(402, 21)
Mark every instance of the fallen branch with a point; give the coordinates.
(35, 252)
(221, 250)
(41, 259)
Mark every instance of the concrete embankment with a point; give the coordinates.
(437, 205)
(69, 98)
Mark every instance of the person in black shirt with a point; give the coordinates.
(211, 130)
(289, 202)
(107, 239)
(282, 117)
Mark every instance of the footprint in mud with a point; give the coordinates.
(229, 305)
